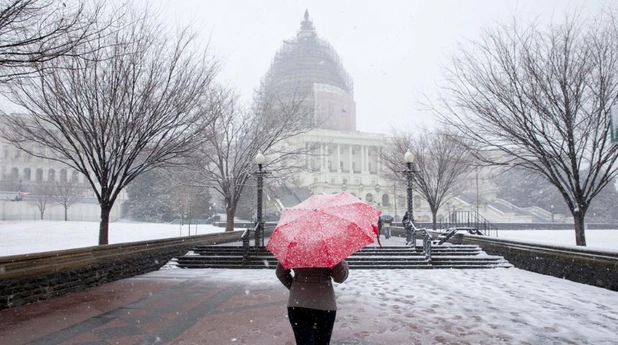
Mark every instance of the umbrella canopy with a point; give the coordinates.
(323, 230)
(387, 218)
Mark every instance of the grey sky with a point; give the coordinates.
(392, 48)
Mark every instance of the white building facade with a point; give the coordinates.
(19, 174)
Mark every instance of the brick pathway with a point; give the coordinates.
(209, 306)
(164, 307)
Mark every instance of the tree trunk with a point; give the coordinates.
(434, 215)
(104, 225)
(229, 221)
(580, 231)
(189, 222)
(66, 217)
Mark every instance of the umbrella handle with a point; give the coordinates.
(376, 230)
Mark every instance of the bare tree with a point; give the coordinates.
(441, 164)
(227, 159)
(35, 31)
(188, 198)
(539, 99)
(122, 106)
(65, 194)
(41, 196)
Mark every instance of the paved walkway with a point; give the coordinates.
(163, 307)
(376, 307)
(209, 306)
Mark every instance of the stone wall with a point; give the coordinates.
(582, 265)
(579, 264)
(32, 277)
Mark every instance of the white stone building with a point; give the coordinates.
(19, 174)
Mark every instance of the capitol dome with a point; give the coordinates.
(308, 65)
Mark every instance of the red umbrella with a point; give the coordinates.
(323, 230)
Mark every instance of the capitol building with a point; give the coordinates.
(342, 158)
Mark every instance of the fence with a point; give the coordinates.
(457, 219)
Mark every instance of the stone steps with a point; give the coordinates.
(391, 257)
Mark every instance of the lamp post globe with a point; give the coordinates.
(260, 159)
(408, 157)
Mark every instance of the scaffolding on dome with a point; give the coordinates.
(307, 60)
(307, 70)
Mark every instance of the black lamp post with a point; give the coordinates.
(409, 223)
(259, 228)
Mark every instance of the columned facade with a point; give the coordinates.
(347, 161)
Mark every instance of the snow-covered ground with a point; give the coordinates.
(24, 237)
(448, 307)
(595, 239)
(499, 306)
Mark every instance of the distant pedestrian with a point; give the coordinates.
(407, 221)
(387, 229)
(384, 224)
(312, 306)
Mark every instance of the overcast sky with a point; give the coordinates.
(393, 49)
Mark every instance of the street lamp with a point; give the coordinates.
(259, 228)
(408, 223)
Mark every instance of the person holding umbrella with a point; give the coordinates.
(386, 221)
(312, 306)
(311, 242)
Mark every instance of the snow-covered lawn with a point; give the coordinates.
(23, 237)
(595, 239)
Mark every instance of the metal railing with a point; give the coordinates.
(411, 229)
(246, 242)
(473, 219)
(426, 244)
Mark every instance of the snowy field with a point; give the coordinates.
(24, 237)
(595, 239)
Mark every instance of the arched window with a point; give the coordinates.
(63, 175)
(51, 175)
(27, 174)
(39, 175)
(369, 197)
(75, 177)
(14, 174)
(386, 200)
(417, 201)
